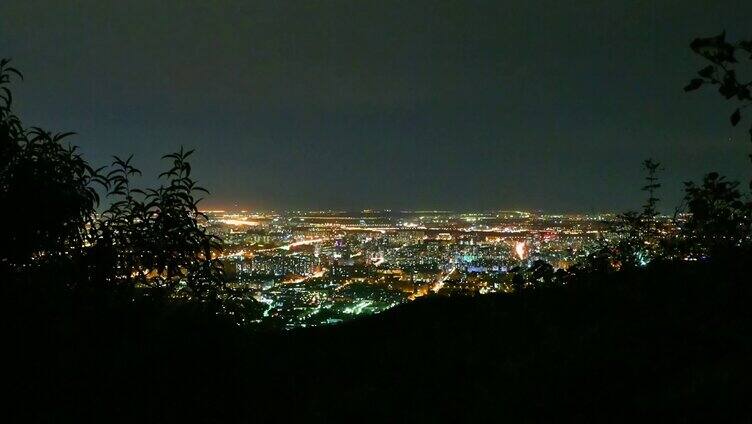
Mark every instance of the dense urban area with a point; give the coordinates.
(312, 268)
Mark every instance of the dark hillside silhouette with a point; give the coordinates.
(665, 342)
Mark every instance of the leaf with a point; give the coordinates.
(715, 49)
(699, 43)
(15, 71)
(728, 90)
(8, 96)
(61, 136)
(735, 117)
(693, 85)
(744, 94)
(707, 71)
(746, 45)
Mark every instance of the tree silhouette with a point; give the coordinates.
(182, 251)
(46, 189)
(652, 184)
(120, 232)
(146, 239)
(638, 241)
(719, 219)
(723, 71)
(154, 238)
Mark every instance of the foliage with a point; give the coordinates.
(723, 71)
(153, 240)
(720, 220)
(46, 189)
(638, 239)
(155, 237)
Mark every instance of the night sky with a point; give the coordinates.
(380, 104)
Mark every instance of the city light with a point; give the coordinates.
(317, 268)
(520, 249)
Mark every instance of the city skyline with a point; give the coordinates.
(324, 267)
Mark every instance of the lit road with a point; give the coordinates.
(295, 244)
(439, 284)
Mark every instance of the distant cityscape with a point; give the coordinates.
(325, 267)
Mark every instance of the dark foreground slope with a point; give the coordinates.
(671, 342)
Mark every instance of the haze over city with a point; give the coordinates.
(412, 105)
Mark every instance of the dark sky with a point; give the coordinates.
(380, 104)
